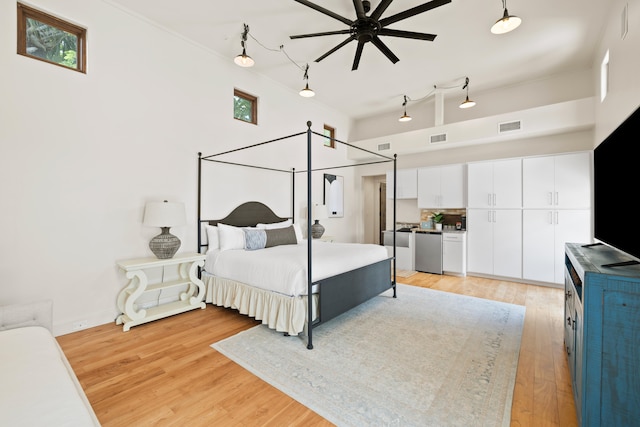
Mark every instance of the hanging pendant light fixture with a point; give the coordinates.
(243, 59)
(507, 22)
(405, 117)
(467, 103)
(306, 92)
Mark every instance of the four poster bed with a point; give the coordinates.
(259, 264)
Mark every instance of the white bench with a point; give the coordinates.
(37, 385)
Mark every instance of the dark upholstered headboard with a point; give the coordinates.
(246, 215)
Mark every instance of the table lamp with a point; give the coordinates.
(164, 215)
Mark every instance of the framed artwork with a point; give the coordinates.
(334, 195)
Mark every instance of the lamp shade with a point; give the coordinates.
(164, 214)
(319, 212)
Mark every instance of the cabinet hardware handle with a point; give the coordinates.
(488, 216)
(550, 217)
(568, 321)
(494, 199)
(550, 198)
(557, 198)
(489, 199)
(557, 217)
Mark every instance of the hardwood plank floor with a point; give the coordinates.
(165, 374)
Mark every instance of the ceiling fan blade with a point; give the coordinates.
(356, 59)
(406, 34)
(359, 9)
(325, 11)
(326, 33)
(413, 11)
(334, 49)
(384, 49)
(384, 4)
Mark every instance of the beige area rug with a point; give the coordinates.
(426, 358)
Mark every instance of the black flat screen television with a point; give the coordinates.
(616, 181)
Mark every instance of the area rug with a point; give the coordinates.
(425, 358)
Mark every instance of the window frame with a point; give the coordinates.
(26, 12)
(254, 105)
(329, 141)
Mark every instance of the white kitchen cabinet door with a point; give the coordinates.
(429, 187)
(494, 242)
(557, 182)
(407, 187)
(545, 233)
(480, 241)
(496, 184)
(441, 187)
(507, 243)
(452, 186)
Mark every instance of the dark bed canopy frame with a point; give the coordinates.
(333, 299)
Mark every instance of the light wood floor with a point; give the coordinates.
(165, 373)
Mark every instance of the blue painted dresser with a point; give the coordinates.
(602, 334)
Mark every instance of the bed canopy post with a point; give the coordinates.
(309, 238)
(293, 195)
(395, 184)
(199, 199)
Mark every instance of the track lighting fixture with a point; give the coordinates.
(243, 59)
(507, 22)
(467, 103)
(405, 117)
(306, 92)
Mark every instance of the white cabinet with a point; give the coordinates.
(545, 233)
(454, 253)
(441, 187)
(557, 182)
(494, 239)
(495, 185)
(407, 187)
(189, 299)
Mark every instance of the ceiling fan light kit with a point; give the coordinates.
(507, 22)
(367, 28)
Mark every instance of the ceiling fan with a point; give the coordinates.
(366, 28)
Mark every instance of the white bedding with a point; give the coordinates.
(283, 269)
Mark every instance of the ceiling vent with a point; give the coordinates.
(509, 126)
(441, 137)
(385, 146)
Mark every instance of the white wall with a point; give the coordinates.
(81, 154)
(624, 68)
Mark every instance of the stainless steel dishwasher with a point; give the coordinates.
(428, 252)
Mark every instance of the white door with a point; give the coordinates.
(572, 226)
(507, 243)
(507, 183)
(480, 241)
(538, 245)
(538, 182)
(573, 181)
(480, 185)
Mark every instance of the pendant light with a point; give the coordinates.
(243, 59)
(306, 91)
(405, 117)
(507, 22)
(467, 103)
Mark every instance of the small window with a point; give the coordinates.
(330, 136)
(245, 107)
(50, 39)
(604, 77)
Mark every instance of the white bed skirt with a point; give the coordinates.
(280, 312)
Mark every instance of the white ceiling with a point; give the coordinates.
(555, 37)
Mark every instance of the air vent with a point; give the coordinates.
(509, 126)
(385, 146)
(441, 137)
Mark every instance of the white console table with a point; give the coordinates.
(190, 299)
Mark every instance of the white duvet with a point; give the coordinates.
(283, 268)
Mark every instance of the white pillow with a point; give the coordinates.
(212, 237)
(283, 224)
(296, 228)
(230, 237)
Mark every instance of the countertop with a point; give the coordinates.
(433, 230)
